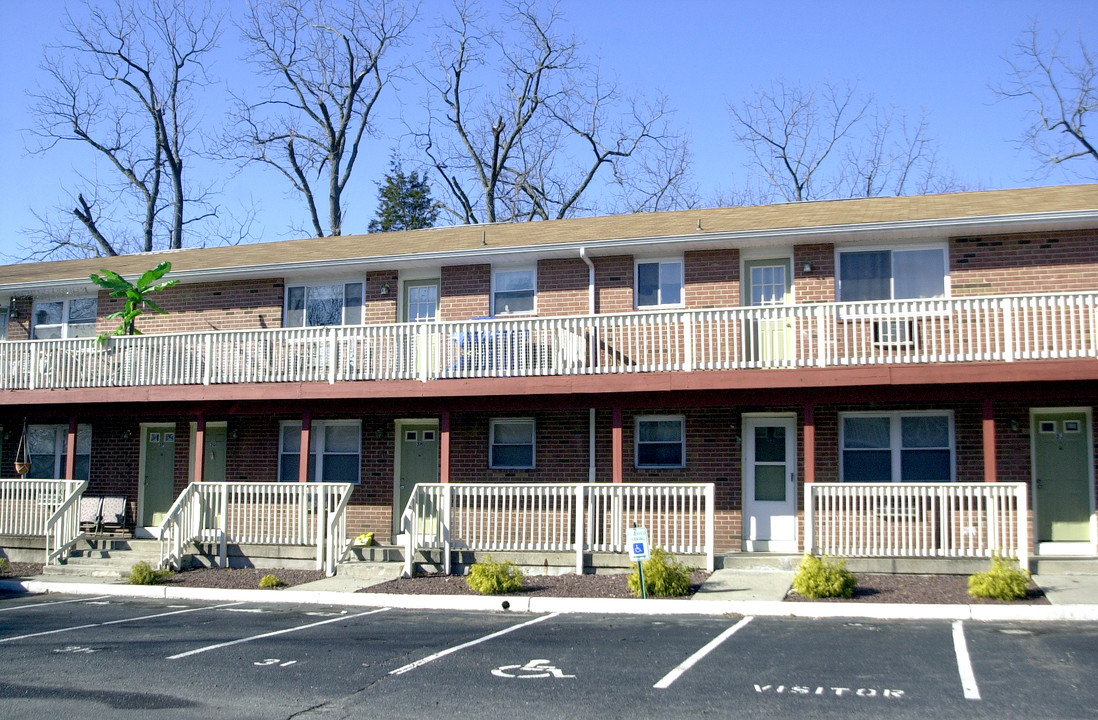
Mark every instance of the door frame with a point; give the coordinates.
(140, 530)
(793, 545)
(398, 438)
(1063, 548)
(194, 437)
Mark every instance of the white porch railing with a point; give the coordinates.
(50, 508)
(562, 517)
(258, 514)
(952, 520)
(979, 329)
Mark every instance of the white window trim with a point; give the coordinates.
(65, 304)
(944, 247)
(533, 442)
(513, 269)
(895, 445)
(316, 445)
(324, 283)
(61, 444)
(637, 443)
(659, 261)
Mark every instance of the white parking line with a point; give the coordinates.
(964, 663)
(444, 653)
(55, 602)
(666, 680)
(271, 634)
(112, 622)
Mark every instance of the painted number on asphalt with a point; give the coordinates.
(539, 668)
(274, 661)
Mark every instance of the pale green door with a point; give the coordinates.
(157, 488)
(1061, 471)
(767, 285)
(418, 460)
(421, 305)
(213, 466)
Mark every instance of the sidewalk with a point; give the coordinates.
(726, 592)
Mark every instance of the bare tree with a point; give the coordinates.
(122, 86)
(328, 64)
(831, 142)
(1059, 88)
(520, 127)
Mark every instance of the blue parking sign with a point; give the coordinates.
(638, 544)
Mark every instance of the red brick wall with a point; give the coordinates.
(562, 287)
(614, 284)
(561, 447)
(712, 278)
(466, 291)
(381, 304)
(817, 284)
(1018, 264)
(199, 307)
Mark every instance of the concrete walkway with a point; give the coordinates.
(757, 591)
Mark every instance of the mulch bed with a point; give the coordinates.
(570, 586)
(22, 570)
(922, 590)
(240, 578)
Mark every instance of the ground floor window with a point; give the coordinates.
(660, 441)
(48, 446)
(897, 447)
(511, 444)
(337, 444)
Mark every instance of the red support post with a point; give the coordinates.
(70, 450)
(306, 437)
(618, 449)
(991, 470)
(200, 448)
(444, 446)
(809, 443)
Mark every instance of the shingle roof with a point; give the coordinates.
(990, 204)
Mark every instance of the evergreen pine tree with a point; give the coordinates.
(404, 202)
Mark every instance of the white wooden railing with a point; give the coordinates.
(258, 514)
(929, 520)
(557, 517)
(979, 329)
(50, 508)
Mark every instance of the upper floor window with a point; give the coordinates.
(892, 274)
(660, 441)
(897, 447)
(48, 447)
(513, 291)
(511, 444)
(313, 305)
(68, 318)
(337, 444)
(659, 283)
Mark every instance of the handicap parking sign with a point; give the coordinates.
(638, 544)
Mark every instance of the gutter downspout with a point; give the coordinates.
(590, 311)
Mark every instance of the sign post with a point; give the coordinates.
(639, 552)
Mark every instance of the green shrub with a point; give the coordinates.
(1004, 581)
(824, 578)
(493, 578)
(144, 574)
(271, 581)
(5, 566)
(663, 576)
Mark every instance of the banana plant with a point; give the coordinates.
(136, 295)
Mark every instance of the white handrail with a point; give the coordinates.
(46, 507)
(557, 517)
(975, 520)
(63, 526)
(945, 330)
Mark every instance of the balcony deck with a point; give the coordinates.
(957, 331)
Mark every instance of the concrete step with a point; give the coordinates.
(754, 562)
(1054, 565)
(376, 553)
(369, 571)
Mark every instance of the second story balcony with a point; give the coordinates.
(957, 330)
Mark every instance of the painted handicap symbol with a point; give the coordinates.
(534, 669)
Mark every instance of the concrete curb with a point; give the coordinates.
(608, 606)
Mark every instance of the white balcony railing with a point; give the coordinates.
(50, 508)
(985, 329)
(560, 517)
(258, 514)
(918, 520)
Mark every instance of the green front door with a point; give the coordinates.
(418, 460)
(1062, 475)
(158, 473)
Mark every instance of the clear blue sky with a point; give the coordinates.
(937, 56)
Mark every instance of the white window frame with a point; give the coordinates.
(942, 247)
(639, 420)
(65, 325)
(306, 286)
(660, 263)
(61, 445)
(496, 272)
(316, 448)
(895, 445)
(494, 423)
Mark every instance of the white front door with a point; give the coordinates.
(770, 484)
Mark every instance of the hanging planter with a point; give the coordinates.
(22, 454)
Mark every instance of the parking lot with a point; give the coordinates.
(139, 658)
